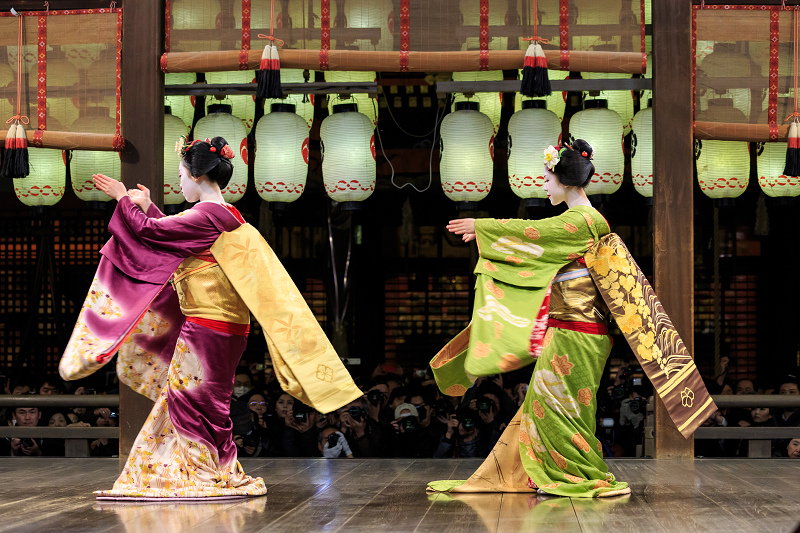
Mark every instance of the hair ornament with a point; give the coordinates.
(227, 152)
(551, 157)
(182, 145)
(584, 154)
(213, 148)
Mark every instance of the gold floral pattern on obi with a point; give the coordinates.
(324, 373)
(687, 397)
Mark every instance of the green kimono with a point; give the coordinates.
(538, 300)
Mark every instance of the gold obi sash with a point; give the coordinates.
(204, 291)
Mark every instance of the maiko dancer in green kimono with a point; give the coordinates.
(545, 291)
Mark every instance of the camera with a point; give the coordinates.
(443, 409)
(356, 413)
(619, 392)
(300, 412)
(375, 397)
(409, 424)
(27, 443)
(89, 390)
(638, 405)
(250, 440)
(333, 439)
(485, 404)
(422, 411)
(113, 414)
(468, 420)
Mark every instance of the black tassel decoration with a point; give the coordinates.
(9, 153)
(269, 74)
(535, 81)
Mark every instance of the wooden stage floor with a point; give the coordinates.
(387, 495)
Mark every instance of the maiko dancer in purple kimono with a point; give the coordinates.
(173, 296)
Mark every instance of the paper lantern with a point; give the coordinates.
(491, 104)
(243, 106)
(220, 123)
(303, 103)
(281, 158)
(723, 167)
(530, 131)
(47, 180)
(85, 163)
(182, 106)
(556, 102)
(619, 101)
(602, 128)
(173, 129)
(466, 164)
(196, 15)
(366, 105)
(771, 161)
(348, 162)
(642, 152)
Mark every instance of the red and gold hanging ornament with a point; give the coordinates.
(15, 159)
(269, 73)
(535, 81)
(793, 149)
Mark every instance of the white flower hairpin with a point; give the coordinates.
(551, 157)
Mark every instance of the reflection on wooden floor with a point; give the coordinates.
(388, 495)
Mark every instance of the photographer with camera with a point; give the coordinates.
(332, 444)
(363, 433)
(25, 447)
(410, 438)
(462, 437)
(378, 402)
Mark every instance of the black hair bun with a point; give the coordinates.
(581, 146)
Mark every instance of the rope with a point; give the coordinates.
(535, 7)
(270, 37)
(19, 117)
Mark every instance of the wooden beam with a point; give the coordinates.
(673, 155)
(143, 156)
(513, 86)
(367, 60)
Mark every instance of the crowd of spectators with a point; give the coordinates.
(55, 417)
(403, 414)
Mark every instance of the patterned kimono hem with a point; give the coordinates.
(257, 488)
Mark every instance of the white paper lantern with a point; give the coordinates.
(556, 102)
(47, 180)
(281, 158)
(366, 105)
(723, 167)
(182, 105)
(243, 106)
(303, 103)
(530, 131)
(348, 162)
(642, 152)
(220, 123)
(84, 163)
(466, 166)
(173, 129)
(602, 128)
(491, 104)
(771, 162)
(619, 101)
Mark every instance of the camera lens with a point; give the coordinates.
(333, 439)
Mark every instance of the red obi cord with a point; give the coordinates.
(595, 328)
(218, 325)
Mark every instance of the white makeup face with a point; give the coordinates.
(189, 187)
(556, 192)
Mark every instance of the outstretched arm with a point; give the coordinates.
(464, 227)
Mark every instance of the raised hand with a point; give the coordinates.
(140, 197)
(115, 189)
(464, 227)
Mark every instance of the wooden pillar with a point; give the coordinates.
(673, 156)
(143, 158)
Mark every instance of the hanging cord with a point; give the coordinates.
(271, 37)
(19, 117)
(535, 7)
(339, 314)
(795, 33)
